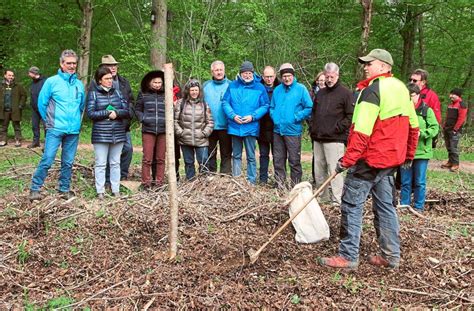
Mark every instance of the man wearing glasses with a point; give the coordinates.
(60, 104)
(427, 95)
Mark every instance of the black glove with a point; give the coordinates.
(407, 164)
(339, 167)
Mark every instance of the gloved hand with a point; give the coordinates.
(407, 164)
(339, 167)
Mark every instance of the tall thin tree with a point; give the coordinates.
(85, 39)
(364, 37)
(158, 33)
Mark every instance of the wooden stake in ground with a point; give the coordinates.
(171, 173)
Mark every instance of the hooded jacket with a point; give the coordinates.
(243, 99)
(193, 125)
(99, 105)
(18, 100)
(429, 128)
(150, 106)
(290, 106)
(214, 91)
(61, 103)
(332, 114)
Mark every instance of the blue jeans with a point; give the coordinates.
(264, 148)
(107, 154)
(386, 223)
(416, 176)
(250, 144)
(188, 155)
(52, 142)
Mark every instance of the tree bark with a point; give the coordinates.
(158, 33)
(364, 38)
(172, 183)
(85, 41)
(421, 41)
(408, 33)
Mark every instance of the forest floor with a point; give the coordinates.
(89, 254)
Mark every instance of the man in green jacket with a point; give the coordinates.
(12, 101)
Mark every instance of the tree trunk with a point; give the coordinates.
(172, 184)
(421, 41)
(158, 33)
(364, 38)
(85, 41)
(408, 33)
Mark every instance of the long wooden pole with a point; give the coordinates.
(172, 184)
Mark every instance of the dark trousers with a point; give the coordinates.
(7, 117)
(287, 147)
(452, 140)
(189, 153)
(154, 146)
(225, 147)
(177, 156)
(264, 150)
(36, 121)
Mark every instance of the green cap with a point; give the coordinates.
(380, 54)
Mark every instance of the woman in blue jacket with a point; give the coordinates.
(108, 111)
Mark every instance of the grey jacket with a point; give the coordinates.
(194, 124)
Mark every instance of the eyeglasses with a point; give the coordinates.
(414, 80)
(268, 77)
(71, 63)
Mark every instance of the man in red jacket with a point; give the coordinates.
(427, 95)
(383, 136)
(452, 128)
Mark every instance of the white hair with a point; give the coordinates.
(331, 67)
(217, 62)
(67, 53)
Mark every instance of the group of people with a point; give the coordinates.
(384, 126)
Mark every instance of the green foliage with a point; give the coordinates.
(23, 253)
(295, 299)
(352, 285)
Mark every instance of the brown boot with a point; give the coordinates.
(454, 168)
(379, 261)
(447, 165)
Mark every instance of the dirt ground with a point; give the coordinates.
(113, 253)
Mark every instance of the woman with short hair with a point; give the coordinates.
(107, 109)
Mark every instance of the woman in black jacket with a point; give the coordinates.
(150, 111)
(108, 110)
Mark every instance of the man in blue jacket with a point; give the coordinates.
(60, 104)
(245, 102)
(290, 106)
(214, 91)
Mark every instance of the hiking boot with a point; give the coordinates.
(100, 196)
(66, 195)
(17, 143)
(33, 145)
(35, 196)
(3, 143)
(454, 168)
(446, 165)
(338, 262)
(116, 194)
(379, 261)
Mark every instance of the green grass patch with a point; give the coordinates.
(449, 181)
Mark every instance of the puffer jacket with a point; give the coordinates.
(243, 99)
(99, 105)
(150, 106)
(61, 103)
(193, 123)
(289, 107)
